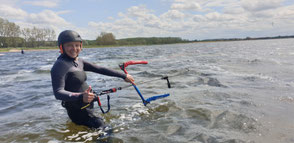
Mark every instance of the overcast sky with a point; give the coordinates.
(188, 19)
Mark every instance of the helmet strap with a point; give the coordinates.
(61, 49)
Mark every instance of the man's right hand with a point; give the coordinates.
(88, 96)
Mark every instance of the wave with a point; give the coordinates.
(43, 69)
(235, 121)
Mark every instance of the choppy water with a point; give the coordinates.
(222, 92)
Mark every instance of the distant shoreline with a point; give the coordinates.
(15, 50)
(18, 50)
(246, 39)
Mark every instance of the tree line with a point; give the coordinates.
(109, 39)
(11, 35)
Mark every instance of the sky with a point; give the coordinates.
(188, 19)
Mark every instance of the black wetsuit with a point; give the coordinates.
(69, 82)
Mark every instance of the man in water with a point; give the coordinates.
(69, 80)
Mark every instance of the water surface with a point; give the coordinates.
(221, 92)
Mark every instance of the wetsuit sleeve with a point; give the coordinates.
(58, 75)
(101, 70)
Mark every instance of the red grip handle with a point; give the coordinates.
(135, 62)
(99, 102)
(124, 65)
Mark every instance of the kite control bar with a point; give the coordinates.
(97, 94)
(145, 102)
(112, 90)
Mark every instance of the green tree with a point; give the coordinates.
(36, 37)
(8, 30)
(105, 39)
(11, 35)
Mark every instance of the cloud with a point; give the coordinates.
(143, 24)
(173, 14)
(9, 12)
(47, 17)
(286, 12)
(63, 12)
(138, 21)
(44, 19)
(139, 11)
(255, 5)
(198, 18)
(43, 3)
(189, 19)
(186, 5)
(121, 28)
(174, 22)
(234, 10)
(215, 16)
(9, 2)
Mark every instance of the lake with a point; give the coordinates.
(239, 91)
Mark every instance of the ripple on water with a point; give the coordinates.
(235, 121)
(214, 82)
(206, 138)
(200, 116)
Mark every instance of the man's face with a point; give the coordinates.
(72, 49)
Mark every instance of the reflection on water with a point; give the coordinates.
(221, 92)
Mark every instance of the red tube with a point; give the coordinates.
(124, 65)
(99, 103)
(134, 62)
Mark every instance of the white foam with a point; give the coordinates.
(45, 67)
(24, 71)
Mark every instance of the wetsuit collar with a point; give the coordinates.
(68, 57)
(65, 56)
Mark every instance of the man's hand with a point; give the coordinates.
(88, 96)
(130, 79)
